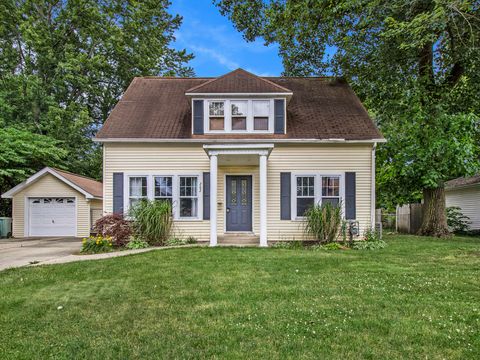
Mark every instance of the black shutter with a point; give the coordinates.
(198, 117)
(285, 201)
(206, 196)
(118, 193)
(350, 194)
(279, 116)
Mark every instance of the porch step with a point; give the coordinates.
(239, 239)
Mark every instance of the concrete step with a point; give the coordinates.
(238, 239)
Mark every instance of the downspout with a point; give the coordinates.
(372, 190)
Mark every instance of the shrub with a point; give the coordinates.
(115, 227)
(96, 244)
(152, 221)
(175, 241)
(371, 241)
(191, 240)
(323, 222)
(456, 221)
(136, 243)
(329, 246)
(291, 245)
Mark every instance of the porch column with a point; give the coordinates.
(263, 200)
(213, 199)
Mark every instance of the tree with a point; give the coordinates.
(22, 153)
(415, 64)
(64, 64)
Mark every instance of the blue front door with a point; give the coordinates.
(239, 203)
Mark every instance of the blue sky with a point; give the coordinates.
(218, 47)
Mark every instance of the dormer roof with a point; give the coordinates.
(238, 82)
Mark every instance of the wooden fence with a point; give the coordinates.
(409, 218)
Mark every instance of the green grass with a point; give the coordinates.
(418, 298)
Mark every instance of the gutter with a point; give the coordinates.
(373, 198)
(237, 141)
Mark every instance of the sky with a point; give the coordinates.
(218, 47)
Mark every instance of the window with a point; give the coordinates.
(137, 189)
(261, 114)
(216, 115)
(239, 111)
(305, 193)
(316, 189)
(331, 190)
(240, 115)
(163, 188)
(188, 196)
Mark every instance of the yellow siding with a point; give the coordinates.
(148, 158)
(468, 199)
(47, 186)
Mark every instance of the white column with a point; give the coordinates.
(263, 200)
(213, 200)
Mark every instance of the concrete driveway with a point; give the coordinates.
(20, 252)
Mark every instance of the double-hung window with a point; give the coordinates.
(305, 194)
(239, 112)
(188, 196)
(182, 191)
(331, 190)
(319, 189)
(261, 114)
(163, 188)
(137, 189)
(216, 112)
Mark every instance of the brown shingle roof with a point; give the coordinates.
(238, 81)
(320, 108)
(88, 184)
(463, 181)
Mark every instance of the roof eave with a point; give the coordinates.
(220, 140)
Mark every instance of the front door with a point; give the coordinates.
(239, 203)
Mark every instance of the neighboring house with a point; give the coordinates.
(240, 154)
(465, 193)
(54, 202)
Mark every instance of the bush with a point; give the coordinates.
(330, 246)
(291, 245)
(371, 241)
(96, 244)
(456, 221)
(174, 241)
(191, 240)
(115, 227)
(136, 243)
(152, 221)
(323, 222)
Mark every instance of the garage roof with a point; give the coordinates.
(91, 188)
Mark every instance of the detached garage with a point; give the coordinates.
(55, 203)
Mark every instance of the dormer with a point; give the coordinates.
(238, 103)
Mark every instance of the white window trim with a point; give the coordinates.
(175, 191)
(228, 116)
(317, 190)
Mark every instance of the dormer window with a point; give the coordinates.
(261, 115)
(216, 115)
(241, 115)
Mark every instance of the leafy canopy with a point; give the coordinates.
(415, 64)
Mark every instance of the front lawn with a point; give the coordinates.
(417, 298)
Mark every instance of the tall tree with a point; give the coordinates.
(65, 63)
(415, 64)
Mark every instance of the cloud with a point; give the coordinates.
(220, 58)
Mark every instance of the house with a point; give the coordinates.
(54, 202)
(465, 194)
(240, 154)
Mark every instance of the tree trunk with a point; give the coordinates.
(434, 222)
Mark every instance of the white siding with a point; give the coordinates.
(468, 199)
(148, 158)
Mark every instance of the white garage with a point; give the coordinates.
(55, 203)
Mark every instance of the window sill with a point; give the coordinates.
(193, 219)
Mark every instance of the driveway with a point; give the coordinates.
(20, 252)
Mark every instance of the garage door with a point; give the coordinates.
(52, 217)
